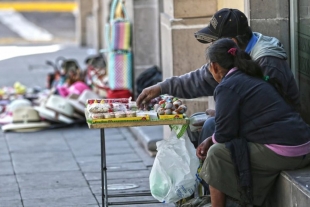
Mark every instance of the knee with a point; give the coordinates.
(216, 151)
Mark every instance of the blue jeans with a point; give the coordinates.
(207, 129)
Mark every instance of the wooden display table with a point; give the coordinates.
(102, 126)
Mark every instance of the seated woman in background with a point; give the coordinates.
(257, 133)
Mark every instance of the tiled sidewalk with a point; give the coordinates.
(61, 167)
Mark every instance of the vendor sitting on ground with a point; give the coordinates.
(257, 131)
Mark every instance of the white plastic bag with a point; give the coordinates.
(174, 173)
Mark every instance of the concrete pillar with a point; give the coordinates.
(105, 8)
(145, 15)
(84, 11)
(181, 52)
(98, 25)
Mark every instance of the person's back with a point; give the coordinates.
(264, 116)
(257, 132)
(269, 53)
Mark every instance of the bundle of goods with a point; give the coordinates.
(123, 109)
(110, 110)
(168, 107)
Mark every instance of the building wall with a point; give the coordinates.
(236, 4)
(303, 74)
(271, 18)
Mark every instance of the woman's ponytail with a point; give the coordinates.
(243, 62)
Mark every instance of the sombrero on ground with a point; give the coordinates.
(25, 119)
(56, 109)
(7, 116)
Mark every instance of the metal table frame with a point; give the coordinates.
(104, 184)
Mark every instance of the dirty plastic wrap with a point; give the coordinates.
(174, 173)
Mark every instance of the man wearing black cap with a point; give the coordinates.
(268, 52)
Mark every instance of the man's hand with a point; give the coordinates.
(147, 95)
(203, 148)
(210, 112)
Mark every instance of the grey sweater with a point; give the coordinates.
(267, 52)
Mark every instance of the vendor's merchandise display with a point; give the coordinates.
(168, 107)
(115, 110)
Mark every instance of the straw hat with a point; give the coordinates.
(79, 104)
(25, 119)
(57, 109)
(6, 117)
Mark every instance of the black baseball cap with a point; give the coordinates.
(224, 23)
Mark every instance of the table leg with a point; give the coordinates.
(104, 184)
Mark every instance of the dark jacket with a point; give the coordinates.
(251, 108)
(201, 83)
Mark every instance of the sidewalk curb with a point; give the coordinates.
(40, 6)
(147, 137)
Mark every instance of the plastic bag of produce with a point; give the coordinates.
(174, 173)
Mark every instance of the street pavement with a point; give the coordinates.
(61, 167)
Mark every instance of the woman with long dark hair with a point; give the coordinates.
(258, 133)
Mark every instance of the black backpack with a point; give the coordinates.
(147, 78)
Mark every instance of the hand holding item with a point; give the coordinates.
(147, 95)
(203, 148)
(210, 112)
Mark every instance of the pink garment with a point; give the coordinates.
(290, 151)
(283, 150)
(76, 88)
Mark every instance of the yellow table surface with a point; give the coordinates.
(136, 123)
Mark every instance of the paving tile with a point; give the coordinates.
(117, 175)
(8, 183)
(6, 168)
(96, 166)
(51, 180)
(7, 180)
(148, 205)
(11, 188)
(61, 202)
(4, 157)
(3, 146)
(142, 185)
(9, 195)
(120, 180)
(94, 136)
(83, 205)
(39, 143)
(88, 148)
(111, 159)
(11, 203)
(145, 199)
(44, 162)
(146, 158)
(31, 193)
